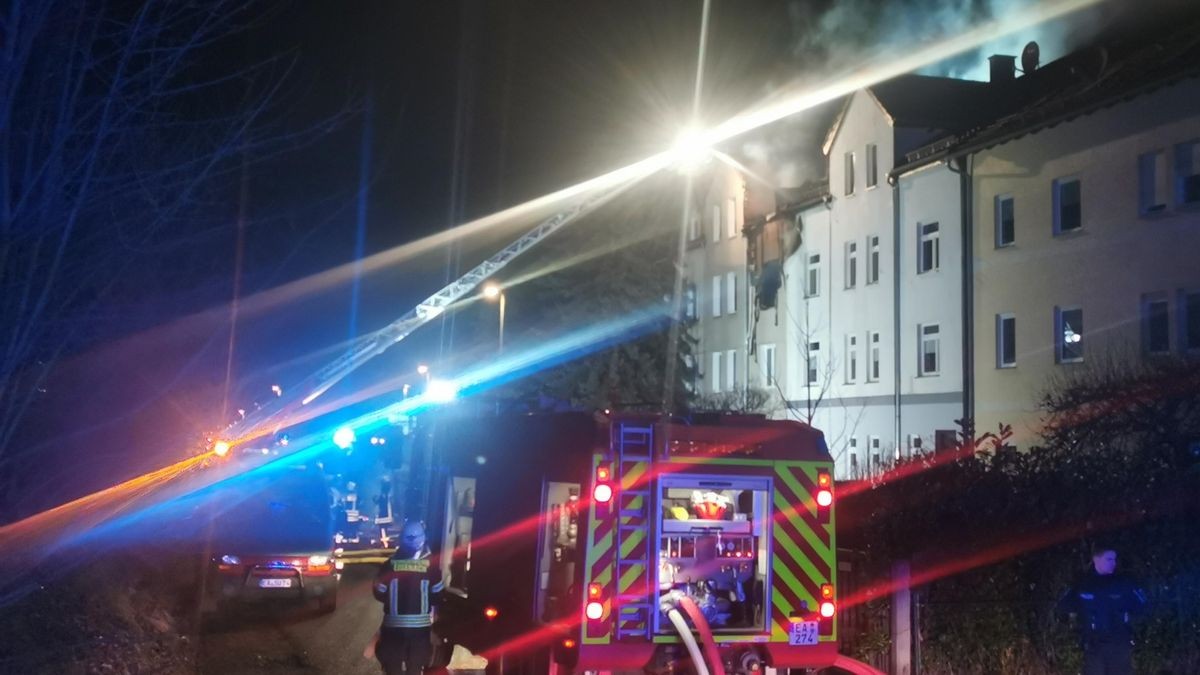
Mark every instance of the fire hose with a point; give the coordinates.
(669, 603)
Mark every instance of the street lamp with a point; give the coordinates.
(492, 292)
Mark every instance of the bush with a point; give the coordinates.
(997, 536)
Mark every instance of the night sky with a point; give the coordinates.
(455, 109)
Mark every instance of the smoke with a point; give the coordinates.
(851, 31)
(839, 36)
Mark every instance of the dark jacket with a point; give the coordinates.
(408, 587)
(1103, 606)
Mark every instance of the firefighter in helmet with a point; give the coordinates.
(408, 585)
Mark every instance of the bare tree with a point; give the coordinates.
(120, 133)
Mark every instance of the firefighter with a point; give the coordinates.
(408, 585)
(1103, 604)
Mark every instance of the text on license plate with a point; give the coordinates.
(275, 583)
(803, 633)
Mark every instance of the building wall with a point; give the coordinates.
(930, 401)
(720, 192)
(1104, 268)
(861, 407)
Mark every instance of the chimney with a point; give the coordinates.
(1003, 67)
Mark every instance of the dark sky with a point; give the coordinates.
(466, 107)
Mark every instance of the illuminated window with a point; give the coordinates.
(1069, 334)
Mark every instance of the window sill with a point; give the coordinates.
(1006, 366)
(1011, 244)
(1069, 233)
(928, 376)
(1069, 362)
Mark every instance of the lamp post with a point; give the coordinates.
(492, 292)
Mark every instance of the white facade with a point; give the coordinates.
(1133, 261)
(715, 278)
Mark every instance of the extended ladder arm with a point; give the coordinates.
(278, 410)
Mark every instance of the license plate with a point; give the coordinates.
(275, 583)
(804, 633)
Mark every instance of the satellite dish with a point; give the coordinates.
(1029, 57)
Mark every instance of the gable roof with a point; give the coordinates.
(1078, 84)
(927, 103)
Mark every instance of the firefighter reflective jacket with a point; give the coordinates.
(407, 587)
(1104, 605)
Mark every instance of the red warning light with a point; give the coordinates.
(491, 613)
(603, 473)
(826, 591)
(593, 591)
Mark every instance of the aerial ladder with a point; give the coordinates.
(279, 412)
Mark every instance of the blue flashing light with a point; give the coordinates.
(343, 437)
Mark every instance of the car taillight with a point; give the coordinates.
(827, 609)
(569, 643)
(491, 613)
(594, 611)
(824, 498)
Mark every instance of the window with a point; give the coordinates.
(694, 228)
(731, 293)
(1152, 182)
(730, 218)
(851, 359)
(1069, 334)
(873, 373)
(873, 260)
(715, 222)
(944, 439)
(872, 166)
(1189, 322)
(1068, 209)
(689, 301)
(813, 286)
(767, 363)
(927, 247)
(814, 363)
(851, 264)
(731, 369)
(930, 349)
(714, 373)
(1006, 341)
(914, 444)
(1005, 225)
(1156, 327)
(875, 463)
(849, 173)
(853, 448)
(716, 296)
(1187, 173)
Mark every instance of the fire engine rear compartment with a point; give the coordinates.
(516, 511)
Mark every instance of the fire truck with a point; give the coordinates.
(573, 542)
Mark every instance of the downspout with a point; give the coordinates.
(966, 196)
(897, 245)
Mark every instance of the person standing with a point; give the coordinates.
(1103, 605)
(408, 585)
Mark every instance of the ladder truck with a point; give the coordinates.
(572, 542)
